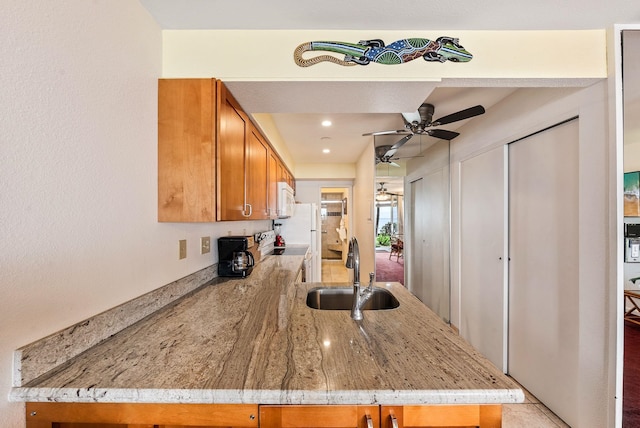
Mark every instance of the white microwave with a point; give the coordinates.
(286, 200)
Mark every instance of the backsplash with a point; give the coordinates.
(38, 358)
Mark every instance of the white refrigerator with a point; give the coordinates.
(303, 228)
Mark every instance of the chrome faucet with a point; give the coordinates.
(360, 297)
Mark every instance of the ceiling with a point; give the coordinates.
(388, 15)
(297, 108)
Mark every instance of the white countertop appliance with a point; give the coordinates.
(303, 228)
(286, 200)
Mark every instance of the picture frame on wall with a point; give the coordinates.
(632, 194)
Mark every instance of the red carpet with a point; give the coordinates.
(390, 270)
(631, 383)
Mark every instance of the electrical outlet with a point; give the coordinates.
(205, 244)
(183, 249)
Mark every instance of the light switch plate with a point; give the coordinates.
(205, 244)
(183, 249)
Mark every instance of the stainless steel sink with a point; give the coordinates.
(341, 298)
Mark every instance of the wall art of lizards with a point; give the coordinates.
(367, 51)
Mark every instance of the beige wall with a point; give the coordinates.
(362, 218)
(319, 171)
(79, 175)
(264, 55)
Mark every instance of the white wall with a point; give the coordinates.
(78, 171)
(363, 198)
(529, 110)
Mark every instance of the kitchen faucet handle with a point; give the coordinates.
(372, 275)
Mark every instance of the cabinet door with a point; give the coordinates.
(230, 159)
(257, 177)
(186, 150)
(140, 415)
(473, 415)
(280, 171)
(272, 196)
(319, 416)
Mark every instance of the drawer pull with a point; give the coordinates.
(369, 421)
(394, 421)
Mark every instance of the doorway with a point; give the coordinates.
(389, 230)
(334, 218)
(631, 163)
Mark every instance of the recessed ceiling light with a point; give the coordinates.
(326, 123)
(326, 151)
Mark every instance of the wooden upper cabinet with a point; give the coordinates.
(186, 149)
(272, 195)
(213, 163)
(230, 158)
(257, 175)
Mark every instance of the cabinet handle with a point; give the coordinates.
(250, 210)
(394, 421)
(369, 421)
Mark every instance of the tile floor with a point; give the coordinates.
(530, 414)
(334, 271)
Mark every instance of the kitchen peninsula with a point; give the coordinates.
(250, 352)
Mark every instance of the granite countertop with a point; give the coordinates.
(254, 340)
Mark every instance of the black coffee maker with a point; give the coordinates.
(235, 259)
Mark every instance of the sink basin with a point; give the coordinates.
(341, 298)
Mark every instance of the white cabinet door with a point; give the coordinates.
(544, 287)
(482, 254)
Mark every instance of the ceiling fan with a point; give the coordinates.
(384, 153)
(420, 123)
(383, 195)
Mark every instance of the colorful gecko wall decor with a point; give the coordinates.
(366, 51)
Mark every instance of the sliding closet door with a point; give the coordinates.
(415, 281)
(429, 272)
(543, 272)
(482, 265)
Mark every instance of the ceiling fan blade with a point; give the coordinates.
(400, 143)
(409, 118)
(461, 115)
(384, 152)
(396, 132)
(443, 134)
(389, 153)
(394, 164)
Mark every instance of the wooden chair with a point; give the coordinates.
(396, 248)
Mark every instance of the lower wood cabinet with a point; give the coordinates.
(138, 415)
(123, 415)
(473, 415)
(320, 416)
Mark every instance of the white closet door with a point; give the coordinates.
(482, 276)
(431, 242)
(543, 272)
(417, 241)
